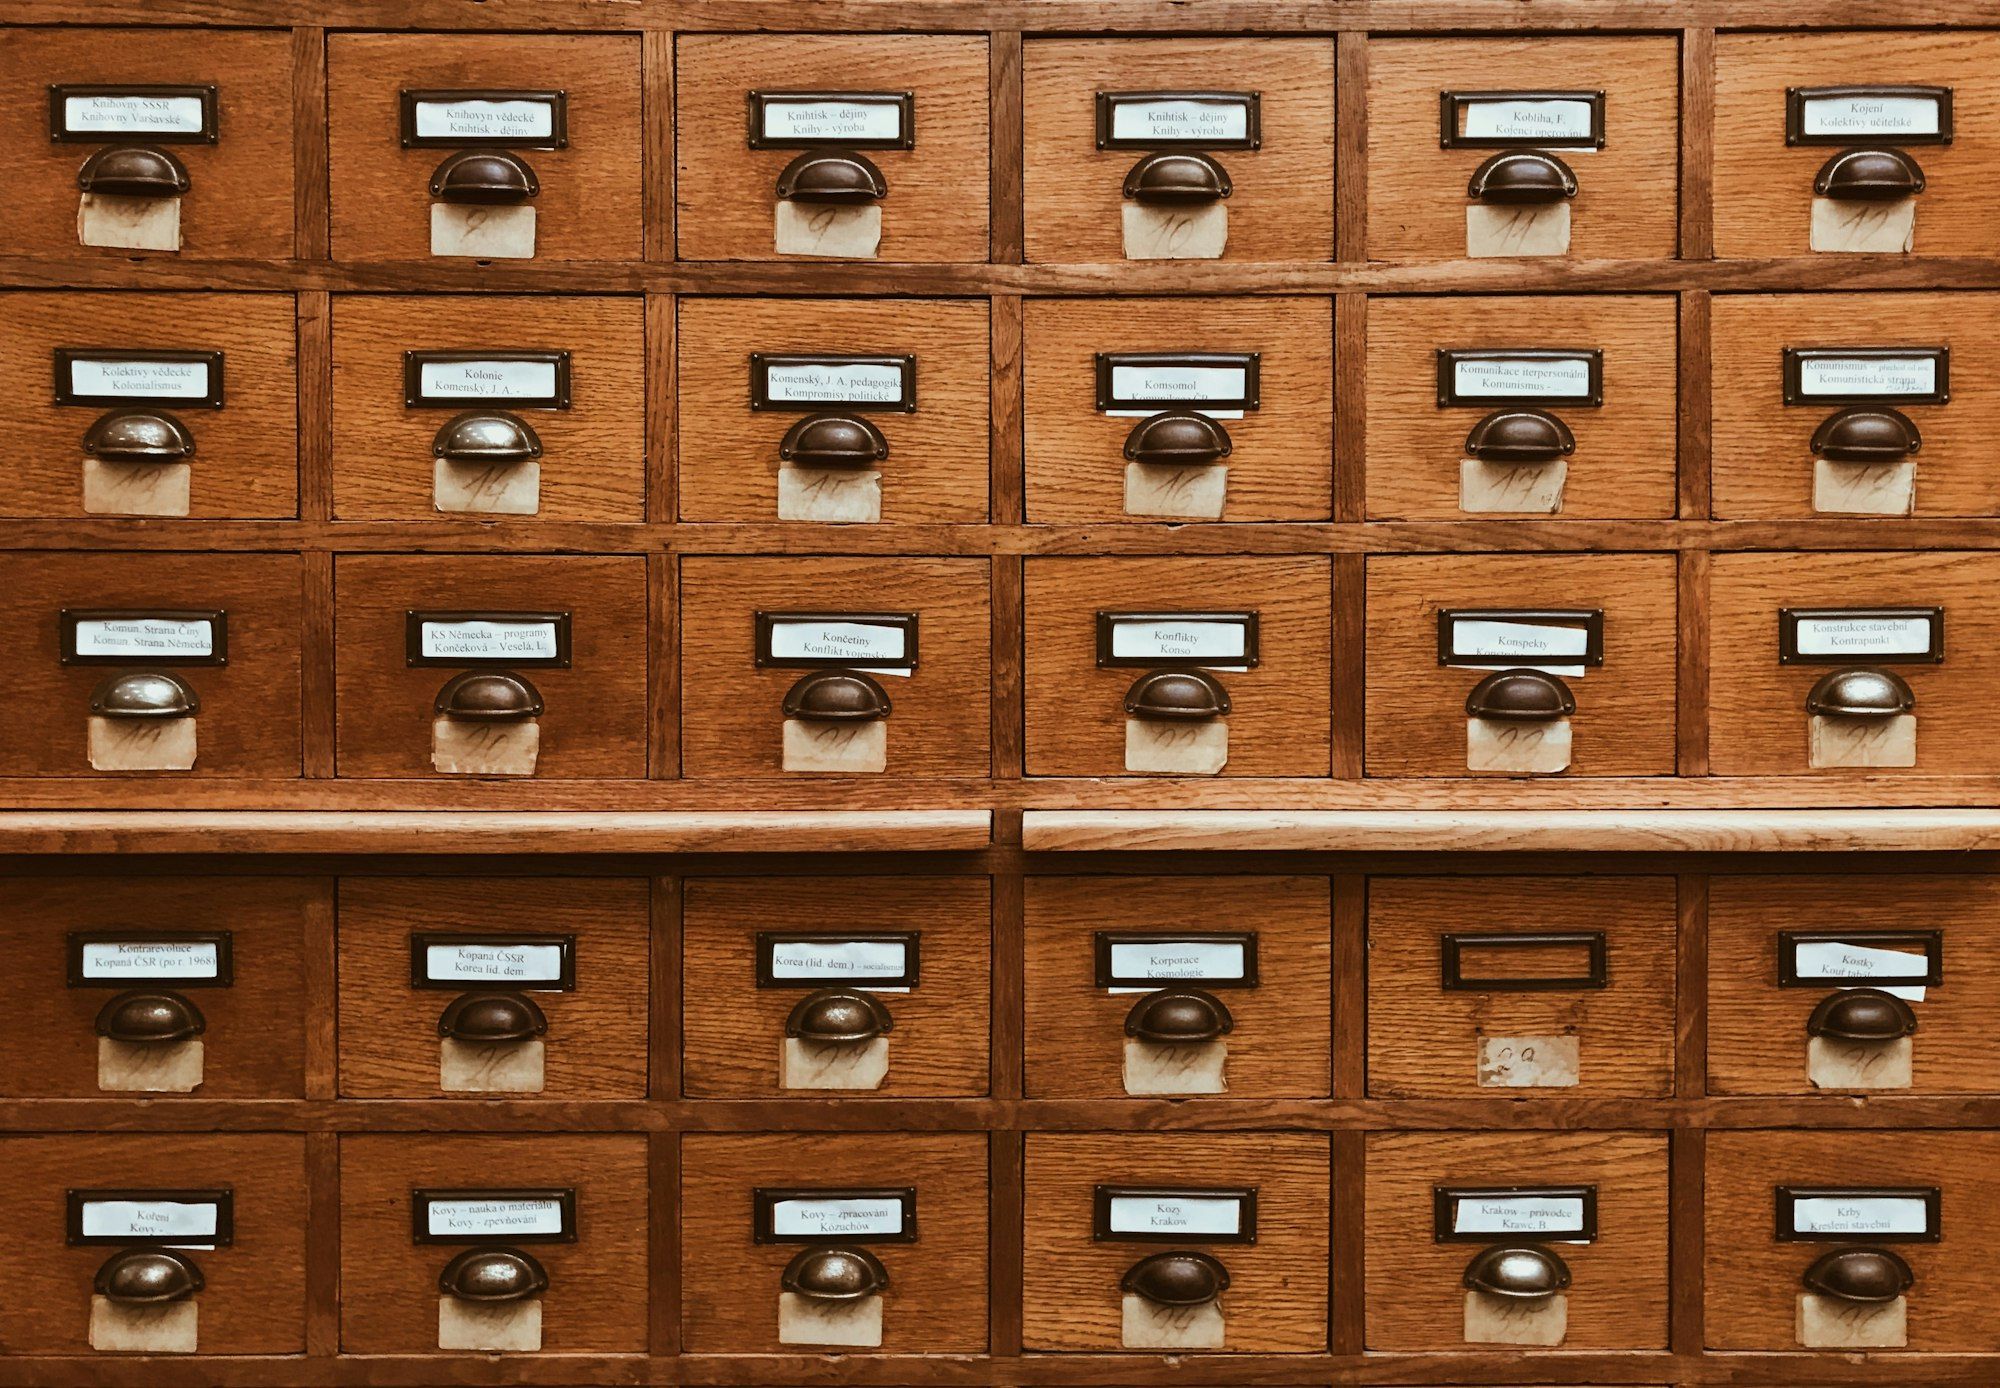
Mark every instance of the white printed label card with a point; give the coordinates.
(1564, 1214)
(833, 1215)
(1159, 1214)
(493, 1216)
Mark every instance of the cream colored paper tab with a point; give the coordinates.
(172, 1328)
(1864, 489)
(1500, 1320)
(504, 1327)
(1527, 489)
(469, 747)
(848, 1324)
(1496, 744)
(1827, 1322)
(815, 1065)
(1165, 747)
(129, 224)
(1884, 742)
(485, 233)
(835, 496)
(1177, 493)
(132, 1067)
(491, 1067)
(141, 744)
(843, 233)
(851, 748)
(1195, 1068)
(1885, 228)
(1529, 1062)
(136, 489)
(514, 489)
(1147, 1325)
(1502, 231)
(1832, 1063)
(1175, 233)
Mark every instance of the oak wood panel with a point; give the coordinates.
(936, 208)
(1624, 205)
(1276, 1302)
(1618, 1299)
(1751, 1281)
(1076, 1030)
(733, 1032)
(1624, 719)
(593, 463)
(254, 1301)
(245, 462)
(936, 1298)
(1423, 1041)
(731, 711)
(1763, 188)
(1763, 461)
(596, 1046)
(239, 198)
(1624, 461)
(1278, 717)
(728, 452)
(1758, 723)
(1757, 1030)
(1281, 194)
(1281, 463)
(594, 723)
(596, 1301)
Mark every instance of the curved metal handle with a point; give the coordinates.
(1182, 696)
(1862, 1014)
(148, 1277)
(1520, 436)
(1869, 175)
(833, 441)
(1177, 438)
(1180, 1278)
(492, 1018)
(1869, 1276)
(133, 171)
(493, 1275)
(836, 696)
(1860, 693)
(1179, 1016)
(150, 1017)
(143, 694)
(138, 436)
(488, 696)
(1520, 696)
(1519, 1272)
(835, 178)
(491, 438)
(1866, 434)
(839, 1017)
(1177, 178)
(488, 177)
(1522, 177)
(834, 1274)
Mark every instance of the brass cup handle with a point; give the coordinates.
(492, 1019)
(493, 1275)
(1180, 1278)
(832, 178)
(833, 441)
(1866, 434)
(488, 696)
(1865, 1276)
(133, 171)
(1869, 175)
(1177, 178)
(144, 694)
(836, 696)
(1862, 1014)
(484, 177)
(1522, 178)
(1177, 438)
(834, 1274)
(1179, 1016)
(148, 1277)
(1520, 436)
(1860, 693)
(138, 436)
(839, 1017)
(1520, 696)
(150, 1017)
(1177, 696)
(1518, 1272)
(491, 438)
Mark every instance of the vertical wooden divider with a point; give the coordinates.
(1350, 147)
(1008, 157)
(656, 77)
(310, 225)
(663, 1243)
(322, 1246)
(1697, 237)
(314, 341)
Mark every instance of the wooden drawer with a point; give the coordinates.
(1781, 948)
(588, 203)
(1278, 711)
(930, 1187)
(1418, 189)
(756, 951)
(597, 1276)
(1184, 354)
(1594, 374)
(1275, 150)
(1764, 182)
(238, 201)
(1758, 722)
(1623, 724)
(931, 157)
(225, 430)
(1107, 954)
(935, 436)
(733, 715)
(1575, 999)
(565, 957)
(1771, 409)
(1755, 1281)
(593, 719)
(390, 442)
(228, 952)
(253, 1300)
(1276, 1296)
(245, 711)
(1424, 1184)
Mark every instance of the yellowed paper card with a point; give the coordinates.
(504, 1326)
(1501, 1320)
(1501, 231)
(136, 489)
(1175, 233)
(1179, 493)
(1528, 1062)
(1864, 741)
(169, 1328)
(1498, 744)
(1528, 489)
(468, 747)
(1164, 747)
(833, 495)
(1195, 1068)
(1865, 489)
(855, 748)
(815, 1065)
(803, 1320)
(132, 224)
(491, 1067)
(134, 1067)
(1886, 228)
(514, 489)
(1148, 1325)
(1827, 1322)
(485, 233)
(844, 233)
(1832, 1063)
(141, 744)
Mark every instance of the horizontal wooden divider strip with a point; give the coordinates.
(1512, 831)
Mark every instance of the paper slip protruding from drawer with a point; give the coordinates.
(1887, 228)
(1153, 231)
(806, 1064)
(1145, 1324)
(844, 233)
(1502, 230)
(1176, 493)
(492, 1067)
(509, 489)
(1830, 1322)
(141, 744)
(482, 231)
(1528, 1062)
(136, 489)
(804, 1320)
(1190, 1067)
(172, 1327)
(830, 496)
(130, 224)
(1527, 489)
(1833, 1062)
(490, 1327)
(149, 1067)
(1862, 742)
(1499, 1320)
(1864, 489)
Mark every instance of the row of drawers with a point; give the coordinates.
(1496, 986)
(1593, 1204)
(1510, 664)
(568, 115)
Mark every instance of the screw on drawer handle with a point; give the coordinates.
(144, 694)
(493, 1275)
(1179, 1016)
(489, 696)
(1522, 177)
(1177, 438)
(1862, 1014)
(1520, 696)
(1863, 1275)
(138, 436)
(835, 1274)
(1180, 696)
(839, 1017)
(833, 441)
(1518, 1272)
(492, 1018)
(834, 178)
(486, 177)
(1520, 436)
(836, 696)
(1866, 434)
(150, 1017)
(1869, 175)
(1177, 178)
(133, 171)
(1176, 1279)
(481, 438)
(148, 1277)
(1860, 693)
